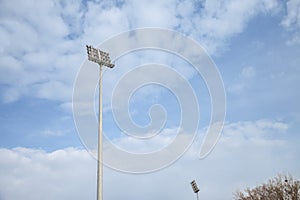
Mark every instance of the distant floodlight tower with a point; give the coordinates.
(101, 58)
(195, 188)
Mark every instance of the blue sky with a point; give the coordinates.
(254, 44)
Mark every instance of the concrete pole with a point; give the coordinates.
(100, 154)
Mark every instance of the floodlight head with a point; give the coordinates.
(98, 56)
(194, 186)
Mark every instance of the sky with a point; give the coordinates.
(254, 45)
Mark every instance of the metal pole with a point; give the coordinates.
(99, 162)
(197, 196)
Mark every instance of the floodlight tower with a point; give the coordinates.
(195, 188)
(102, 58)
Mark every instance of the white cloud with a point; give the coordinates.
(32, 39)
(260, 132)
(292, 20)
(243, 81)
(218, 21)
(151, 144)
(11, 94)
(55, 133)
(50, 90)
(103, 20)
(154, 14)
(47, 46)
(35, 174)
(244, 156)
(248, 72)
(248, 153)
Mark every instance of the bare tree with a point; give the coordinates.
(282, 187)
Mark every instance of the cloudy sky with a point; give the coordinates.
(254, 44)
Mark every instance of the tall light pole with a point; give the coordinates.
(101, 58)
(195, 188)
